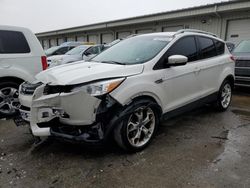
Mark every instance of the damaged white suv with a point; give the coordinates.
(124, 91)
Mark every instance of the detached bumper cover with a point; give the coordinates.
(73, 109)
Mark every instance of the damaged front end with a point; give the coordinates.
(77, 113)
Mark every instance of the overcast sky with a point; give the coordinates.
(46, 15)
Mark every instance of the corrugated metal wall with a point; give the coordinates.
(215, 23)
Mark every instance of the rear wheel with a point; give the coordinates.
(224, 96)
(136, 131)
(9, 102)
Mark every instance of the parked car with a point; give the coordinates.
(125, 91)
(230, 46)
(76, 43)
(58, 50)
(82, 52)
(242, 66)
(64, 48)
(21, 58)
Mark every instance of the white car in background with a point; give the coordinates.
(21, 58)
(82, 52)
(125, 91)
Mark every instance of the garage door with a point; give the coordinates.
(123, 34)
(238, 30)
(144, 31)
(107, 38)
(82, 38)
(60, 41)
(52, 42)
(70, 39)
(93, 38)
(172, 28)
(45, 44)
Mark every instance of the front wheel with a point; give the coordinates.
(8, 99)
(136, 131)
(224, 96)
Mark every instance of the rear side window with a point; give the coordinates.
(12, 42)
(220, 47)
(185, 46)
(207, 48)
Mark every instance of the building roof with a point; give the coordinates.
(224, 6)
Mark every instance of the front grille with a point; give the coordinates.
(242, 71)
(242, 63)
(28, 88)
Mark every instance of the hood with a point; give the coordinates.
(241, 56)
(81, 72)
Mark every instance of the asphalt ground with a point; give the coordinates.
(203, 148)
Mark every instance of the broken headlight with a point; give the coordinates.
(100, 88)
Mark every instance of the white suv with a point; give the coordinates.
(21, 58)
(124, 91)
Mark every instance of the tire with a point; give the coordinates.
(136, 130)
(224, 97)
(9, 101)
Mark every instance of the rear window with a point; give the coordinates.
(12, 42)
(220, 47)
(207, 47)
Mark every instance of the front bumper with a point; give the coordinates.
(75, 109)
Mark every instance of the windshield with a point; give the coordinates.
(77, 50)
(134, 50)
(243, 47)
(51, 50)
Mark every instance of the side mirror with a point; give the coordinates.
(177, 60)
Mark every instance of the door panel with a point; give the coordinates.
(181, 85)
(210, 66)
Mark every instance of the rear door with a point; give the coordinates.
(210, 64)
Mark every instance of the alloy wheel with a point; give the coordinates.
(9, 101)
(226, 95)
(141, 126)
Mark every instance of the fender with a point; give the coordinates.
(228, 71)
(125, 95)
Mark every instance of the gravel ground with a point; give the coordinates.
(198, 149)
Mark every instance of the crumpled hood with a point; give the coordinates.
(81, 72)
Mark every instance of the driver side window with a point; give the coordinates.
(185, 46)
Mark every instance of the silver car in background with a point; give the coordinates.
(82, 52)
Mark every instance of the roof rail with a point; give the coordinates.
(194, 31)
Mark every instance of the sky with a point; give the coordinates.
(47, 15)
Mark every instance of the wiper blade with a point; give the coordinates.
(114, 62)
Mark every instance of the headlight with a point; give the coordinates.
(100, 88)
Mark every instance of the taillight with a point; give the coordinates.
(232, 58)
(44, 62)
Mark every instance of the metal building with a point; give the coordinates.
(229, 20)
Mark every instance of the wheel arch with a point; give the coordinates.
(230, 78)
(11, 79)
